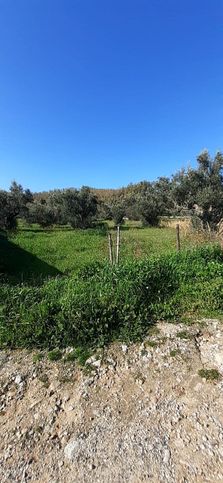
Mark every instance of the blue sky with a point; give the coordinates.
(107, 92)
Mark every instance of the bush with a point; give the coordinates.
(8, 212)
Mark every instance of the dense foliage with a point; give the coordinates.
(75, 207)
(201, 190)
(13, 204)
(101, 303)
(197, 192)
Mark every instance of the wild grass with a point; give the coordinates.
(101, 303)
(37, 253)
(33, 254)
(55, 355)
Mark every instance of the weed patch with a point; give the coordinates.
(101, 303)
(82, 355)
(183, 334)
(71, 356)
(209, 374)
(45, 380)
(175, 352)
(38, 357)
(55, 355)
(151, 343)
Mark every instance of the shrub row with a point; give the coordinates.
(103, 303)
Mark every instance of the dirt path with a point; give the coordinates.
(141, 414)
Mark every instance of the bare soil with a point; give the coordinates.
(141, 413)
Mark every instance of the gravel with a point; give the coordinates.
(142, 414)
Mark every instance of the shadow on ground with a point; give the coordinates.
(17, 265)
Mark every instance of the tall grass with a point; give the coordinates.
(102, 303)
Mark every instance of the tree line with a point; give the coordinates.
(195, 192)
(78, 208)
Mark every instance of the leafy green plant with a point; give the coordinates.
(55, 355)
(183, 334)
(152, 343)
(175, 352)
(209, 374)
(45, 380)
(70, 356)
(82, 355)
(153, 330)
(38, 357)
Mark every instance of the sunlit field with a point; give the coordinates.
(34, 252)
(57, 287)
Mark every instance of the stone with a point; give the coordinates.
(71, 449)
(166, 455)
(18, 379)
(124, 348)
(90, 360)
(97, 363)
(111, 362)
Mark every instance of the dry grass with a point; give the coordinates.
(185, 223)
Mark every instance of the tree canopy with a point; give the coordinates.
(197, 192)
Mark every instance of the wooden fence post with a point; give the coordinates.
(110, 248)
(178, 236)
(118, 244)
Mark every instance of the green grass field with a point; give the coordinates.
(57, 287)
(34, 253)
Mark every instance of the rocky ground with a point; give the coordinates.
(134, 414)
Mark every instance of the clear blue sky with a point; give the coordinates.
(107, 92)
